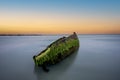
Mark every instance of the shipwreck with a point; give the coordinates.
(57, 51)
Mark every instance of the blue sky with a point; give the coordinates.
(98, 5)
(107, 10)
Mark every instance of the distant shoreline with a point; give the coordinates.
(20, 34)
(31, 34)
(48, 34)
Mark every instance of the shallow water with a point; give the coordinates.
(98, 58)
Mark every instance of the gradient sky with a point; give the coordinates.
(60, 16)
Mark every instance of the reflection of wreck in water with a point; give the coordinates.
(57, 51)
(56, 71)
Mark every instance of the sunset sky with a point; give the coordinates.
(59, 16)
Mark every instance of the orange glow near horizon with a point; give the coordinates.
(57, 24)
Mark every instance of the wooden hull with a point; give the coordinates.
(57, 51)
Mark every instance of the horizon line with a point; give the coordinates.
(49, 34)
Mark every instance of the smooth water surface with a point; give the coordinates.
(98, 58)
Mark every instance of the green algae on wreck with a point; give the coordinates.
(57, 51)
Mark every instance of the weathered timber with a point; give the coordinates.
(57, 51)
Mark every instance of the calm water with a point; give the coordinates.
(98, 58)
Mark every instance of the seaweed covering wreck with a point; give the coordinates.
(57, 51)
